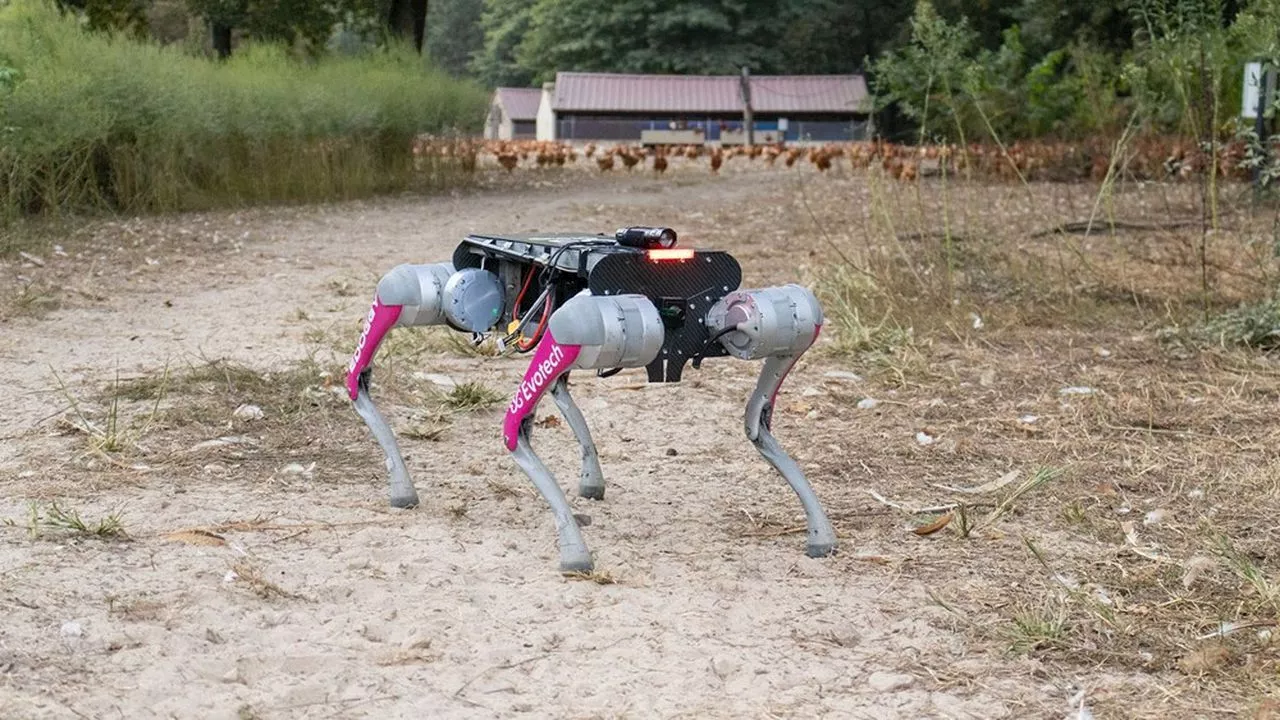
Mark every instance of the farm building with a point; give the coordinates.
(512, 113)
(707, 108)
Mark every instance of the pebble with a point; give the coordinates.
(443, 381)
(724, 666)
(298, 469)
(888, 682)
(71, 628)
(867, 403)
(248, 412)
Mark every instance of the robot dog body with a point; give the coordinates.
(594, 302)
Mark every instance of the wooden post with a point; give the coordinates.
(748, 118)
(1260, 122)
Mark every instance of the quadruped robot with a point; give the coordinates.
(603, 303)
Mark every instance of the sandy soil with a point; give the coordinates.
(323, 602)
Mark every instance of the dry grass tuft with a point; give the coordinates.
(599, 577)
(252, 575)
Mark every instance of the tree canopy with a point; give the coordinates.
(957, 68)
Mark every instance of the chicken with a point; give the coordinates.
(629, 159)
(660, 161)
(605, 162)
(717, 159)
(509, 161)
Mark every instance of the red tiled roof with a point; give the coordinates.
(520, 103)
(606, 92)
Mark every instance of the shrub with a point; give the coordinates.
(96, 121)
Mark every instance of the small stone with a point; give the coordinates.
(248, 412)
(437, 379)
(810, 392)
(1028, 419)
(71, 628)
(1077, 390)
(582, 519)
(924, 438)
(671, 452)
(1155, 517)
(232, 675)
(845, 635)
(977, 321)
(724, 666)
(298, 469)
(26, 474)
(889, 682)
(868, 403)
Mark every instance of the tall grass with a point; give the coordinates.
(91, 122)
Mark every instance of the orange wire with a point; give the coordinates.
(537, 334)
(520, 296)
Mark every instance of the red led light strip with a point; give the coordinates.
(660, 255)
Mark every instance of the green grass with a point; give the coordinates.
(67, 521)
(94, 122)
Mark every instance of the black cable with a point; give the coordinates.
(697, 359)
(608, 373)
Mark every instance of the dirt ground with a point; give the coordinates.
(264, 576)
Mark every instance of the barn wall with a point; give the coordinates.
(815, 128)
(546, 122)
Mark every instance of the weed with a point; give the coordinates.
(472, 396)
(35, 301)
(1038, 627)
(1268, 593)
(1255, 325)
(63, 520)
(113, 435)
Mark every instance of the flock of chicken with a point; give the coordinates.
(1151, 158)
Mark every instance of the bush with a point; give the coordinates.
(94, 121)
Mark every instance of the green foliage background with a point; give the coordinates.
(96, 120)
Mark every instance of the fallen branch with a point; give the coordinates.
(1085, 227)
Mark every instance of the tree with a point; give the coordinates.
(129, 16)
(925, 76)
(505, 24)
(651, 36)
(407, 20)
(455, 34)
(1050, 25)
(836, 36)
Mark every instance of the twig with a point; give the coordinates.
(1226, 629)
(507, 666)
(911, 511)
